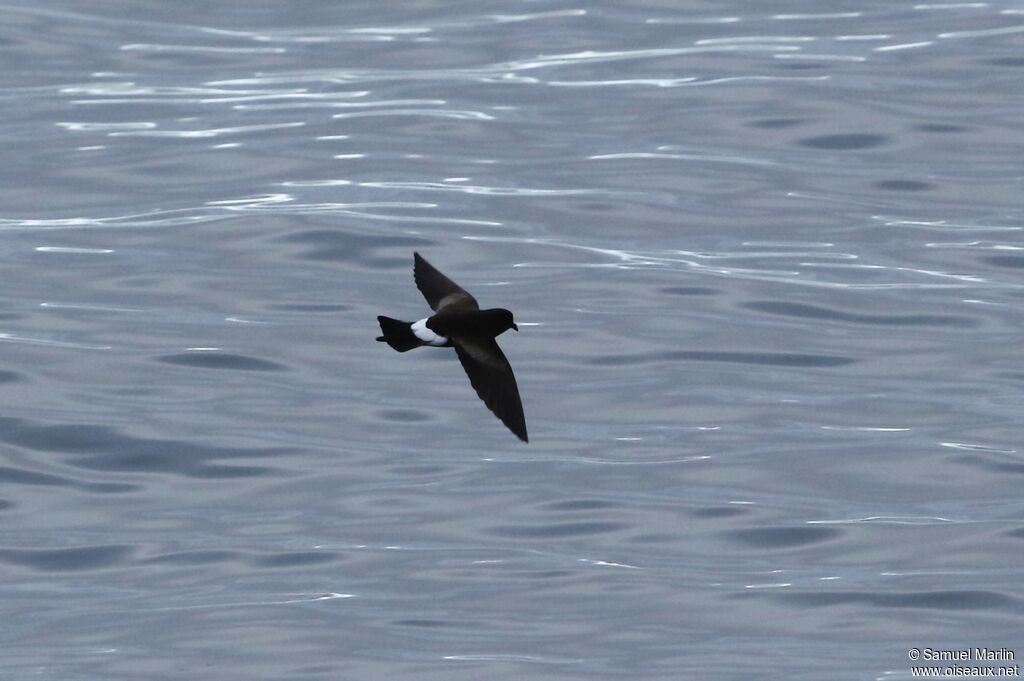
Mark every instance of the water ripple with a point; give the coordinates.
(223, 208)
(67, 560)
(886, 520)
(711, 263)
(20, 476)
(557, 530)
(983, 33)
(512, 71)
(714, 158)
(779, 359)
(478, 189)
(248, 603)
(976, 447)
(783, 537)
(944, 225)
(102, 448)
(433, 113)
(818, 312)
(213, 49)
(904, 46)
(689, 81)
(207, 132)
(221, 360)
(822, 15)
(950, 600)
(13, 338)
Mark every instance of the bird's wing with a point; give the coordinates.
(439, 290)
(492, 378)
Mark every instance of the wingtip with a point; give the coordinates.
(519, 430)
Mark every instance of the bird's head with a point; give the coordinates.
(501, 320)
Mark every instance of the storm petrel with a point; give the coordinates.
(460, 323)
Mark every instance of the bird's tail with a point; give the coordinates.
(398, 334)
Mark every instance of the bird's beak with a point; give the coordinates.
(515, 327)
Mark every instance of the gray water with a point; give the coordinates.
(766, 258)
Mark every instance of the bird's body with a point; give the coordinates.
(459, 322)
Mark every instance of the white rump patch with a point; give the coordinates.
(423, 332)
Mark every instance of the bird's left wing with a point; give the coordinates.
(492, 378)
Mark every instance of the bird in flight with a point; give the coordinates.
(459, 322)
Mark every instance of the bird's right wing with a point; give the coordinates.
(439, 290)
(492, 378)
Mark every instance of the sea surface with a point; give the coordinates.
(767, 262)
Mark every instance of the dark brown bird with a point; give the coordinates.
(460, 323)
